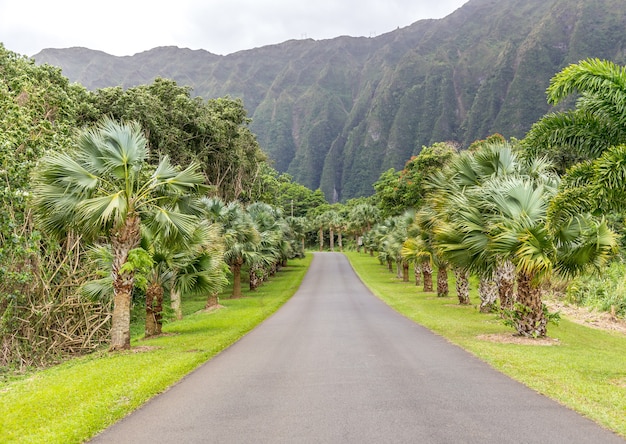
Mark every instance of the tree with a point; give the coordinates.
(281, 191)
(407, 189)
(213, 133)
(200, 269)
(597, 122)
(184, 267)
(299, 226)
(273, 246)
(105, 187)
(507, 220)
(241, 241)
(362, 218)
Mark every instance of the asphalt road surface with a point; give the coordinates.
(336, 365)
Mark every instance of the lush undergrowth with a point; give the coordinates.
(73, 401)
(584, 368)
(605, 291)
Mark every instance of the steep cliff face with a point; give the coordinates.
(336, 113)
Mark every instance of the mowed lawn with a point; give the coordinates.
(582, 367)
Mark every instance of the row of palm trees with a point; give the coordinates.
(491, 212)
(505, 216)
(486, 213)
(153, 227)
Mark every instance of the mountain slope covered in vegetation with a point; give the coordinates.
(336, 113)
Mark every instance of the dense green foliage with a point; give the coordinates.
(40, 314)
(602, 291)
(337, 113)
(52, 299)
(501, 212)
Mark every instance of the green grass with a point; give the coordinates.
(585, 371)
(72, 402)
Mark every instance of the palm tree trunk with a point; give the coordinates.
(442, 281)
(505, 275)
(528, 316)
(340, 241)
(417, 271)
(175, 303)
(331, 239)
(405, 271)
(254, 277)
(151, 321)
(427, 273)
(462, 285)
(212, 302)
(158, 310)
(123, 240)
(236, 269)
(120, 321)
(488, 292)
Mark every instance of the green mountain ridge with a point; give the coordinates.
(336, 113)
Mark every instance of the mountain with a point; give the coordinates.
(336, 113)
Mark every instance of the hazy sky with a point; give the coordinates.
(126, 27)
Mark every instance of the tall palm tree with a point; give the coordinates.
(106, 188)
(415, 250)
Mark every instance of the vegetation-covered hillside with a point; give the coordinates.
(336, 113)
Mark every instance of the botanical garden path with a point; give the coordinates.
(336, 365)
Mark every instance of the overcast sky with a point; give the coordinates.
(126, 27)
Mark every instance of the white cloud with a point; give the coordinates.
(124, 27)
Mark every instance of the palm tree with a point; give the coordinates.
(335, 225)
(320, 222)
(241, 242)
(597, 122)
(462, 285)
(200, 269)
(185, 268)
(298, 227)
(273, 247)
(105, 187)
(507, 221)
(390, 236)
(415, 250)
(363, 217)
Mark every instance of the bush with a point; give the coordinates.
(605, 291)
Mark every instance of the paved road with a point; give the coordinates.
(336, 365)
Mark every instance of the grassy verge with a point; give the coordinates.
(585, 371)
(72, 402)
